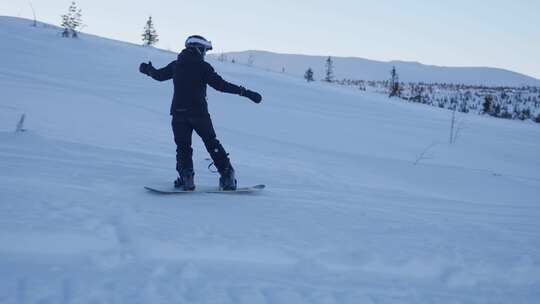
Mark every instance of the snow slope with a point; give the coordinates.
(365, 69)
(347, 216)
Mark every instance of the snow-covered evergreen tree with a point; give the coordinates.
(309, 75)
(149, 36)
(497, 110)
(394, 87)
(329, 77)
(71, 21)
(222, 57)
(488, 100)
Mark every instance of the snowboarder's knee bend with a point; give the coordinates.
(182, 144)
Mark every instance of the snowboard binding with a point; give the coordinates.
(186, 180)
(227, 181)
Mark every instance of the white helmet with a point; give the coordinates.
(199, 42)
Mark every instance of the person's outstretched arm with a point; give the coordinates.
(217, 82)
(162, 74)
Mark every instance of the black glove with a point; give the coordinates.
(146, 68)
(254, 96)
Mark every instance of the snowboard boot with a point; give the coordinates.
(186, 180)
(227, 181)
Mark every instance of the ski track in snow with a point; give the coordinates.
(347, 217)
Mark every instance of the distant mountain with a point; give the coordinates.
(364, 69)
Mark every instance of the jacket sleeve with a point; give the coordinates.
(218, 83)
(163, 74)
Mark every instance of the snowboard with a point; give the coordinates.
(203, 189)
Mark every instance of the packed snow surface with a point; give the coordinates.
(366, 202)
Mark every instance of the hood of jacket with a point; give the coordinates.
(189, 55)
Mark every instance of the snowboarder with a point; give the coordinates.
(189, 109)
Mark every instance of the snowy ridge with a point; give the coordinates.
(364, 69)
(347, 217)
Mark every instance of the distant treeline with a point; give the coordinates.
(521, 103)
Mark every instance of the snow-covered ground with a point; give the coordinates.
(347, 216)
(365, 69)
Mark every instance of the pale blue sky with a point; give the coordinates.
(496, 33)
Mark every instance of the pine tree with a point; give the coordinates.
(497, 111)
(71, 21)
(329, 70)
(309, 75)
(222, 57)
(149, 36)
(395, 88)
(525, 114)
(488, 100)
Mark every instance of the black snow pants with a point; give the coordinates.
(183, 127)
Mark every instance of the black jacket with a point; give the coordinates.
(191, 74)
